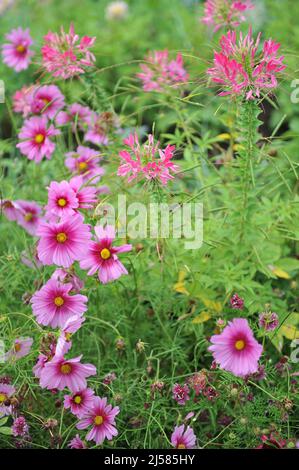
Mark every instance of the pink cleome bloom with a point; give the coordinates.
(102, 256)
(219, 13)
(60, 373)
(53, 305)
(76, 114)
(159, 72)
(183, 439)
(16, 53)
(87, 196)
(21, 348)
(79, 402)
(46, 100)
(20, 427)
(235, 349)
(102, 419)
(66, 55)
(148, 160)
(62, 200)
(180, 393)
(6, 391)
(85, 162)
(77, 443)
(36, 136)
(64, 242)
(29, 215)
(240, 70)
(21, 100)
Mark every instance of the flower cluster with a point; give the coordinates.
(147, 160)
(241, 70)
(219, 13)
(159, 72)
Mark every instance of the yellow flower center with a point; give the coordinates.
(82, 166)
(28, 216)
(77, 399)
(105, 253)
(39, 138)
(17, 347)
(181, 446)
(62, 202)
(61, 237)
(58, 301)
(66, 369)
(3, 397)
(68, 336)
(98, 420)
(21, 48)
(240, 345)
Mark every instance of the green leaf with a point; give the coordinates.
(6, 431)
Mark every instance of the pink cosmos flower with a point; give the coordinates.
(87, 195)
(29, 215)
(148, 160)
(102, 256)
(68, 276)
(102, 419)
(9, 208)
(35, 135)
(70, 327)
(46, 100)
(239, 69)
(16, 53)
(21, 100)
(21, 348)
(20, 427)
(85, 162)
(79, 402)
(6, 391)
(99, 128)
(60, 373)
(66, 55)
(39, 366)
(159, 72)
(62, 200)
(219, 13)
(180, 393)
(53, 305)
(268, 321)
(235, 349)
(77, 443)
(64, 242)
(76, 114)
(183, 439)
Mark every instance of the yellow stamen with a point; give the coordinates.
(105, 253)
(66, 369)
(98, 420)
(77, 399)
(68, 336)
(61, 237)
(181, 446)
(240, 345)
(39, 138)
(3, 397)
(62, 202)
(82, 166)
(21, 48)
(17, 347)
(28, 217)
(58, 301)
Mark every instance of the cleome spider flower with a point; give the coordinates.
(159, 72)
(102, 419)
(66, 55)
(16, 53)
(219, 13)
(235, 349)
(147, 160)
(240, 70)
